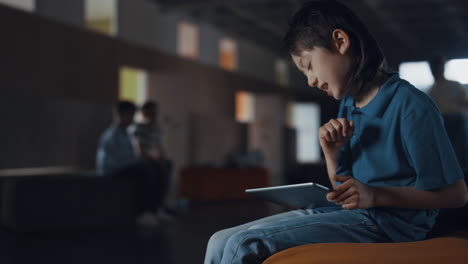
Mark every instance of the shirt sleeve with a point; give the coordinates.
(429, 150)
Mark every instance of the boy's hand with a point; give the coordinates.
(352, 194)
(334, 134)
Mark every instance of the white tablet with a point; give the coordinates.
(303, 195)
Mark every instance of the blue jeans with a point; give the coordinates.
(254, 242)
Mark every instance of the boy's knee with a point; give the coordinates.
(219, 238)
(261, 225)
(241, 240)
(246, 247)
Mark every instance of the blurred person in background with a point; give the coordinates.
(147, 138)
(115, 150)
(449, 95)
(117, 158)
(147, 135)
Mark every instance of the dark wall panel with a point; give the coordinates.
(59, 83)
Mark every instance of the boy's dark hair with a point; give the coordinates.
(313, 25)
(149, 105)
(125, 107)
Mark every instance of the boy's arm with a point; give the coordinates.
(332, 164)
(352, 194)
(451, 196)
(333, 136)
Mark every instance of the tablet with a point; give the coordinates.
(303, 195)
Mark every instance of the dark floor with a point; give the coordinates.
(181, 240)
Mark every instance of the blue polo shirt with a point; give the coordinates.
(399, 139)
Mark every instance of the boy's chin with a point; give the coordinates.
(336, 96)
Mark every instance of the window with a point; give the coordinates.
(418, 74)
(457, 70)
(228, 54)
(188, 40)
(25, 5)
(245, 105)
(101, 16)
(306, 120)
(133, 85)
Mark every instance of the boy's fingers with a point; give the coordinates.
(331, 196)
(325, 134)
(331, 133)
(342, 178)
(344, 196)
(350, 127)
(338, 190)
(338, 128)
(350, 200)
(350, 203)
(345, 127)
(350, 206)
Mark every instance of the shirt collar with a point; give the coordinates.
(378, 104)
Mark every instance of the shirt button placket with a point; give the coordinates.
(356, 120)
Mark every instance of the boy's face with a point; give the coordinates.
(325, 69)
(328, 70)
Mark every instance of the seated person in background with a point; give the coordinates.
(147, 135)
(147, 140)
(451, 99)
(116, 157)
(449, 95)
(115, 150)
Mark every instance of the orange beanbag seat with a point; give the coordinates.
(439, 250)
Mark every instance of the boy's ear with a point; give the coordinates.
(340, 40)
